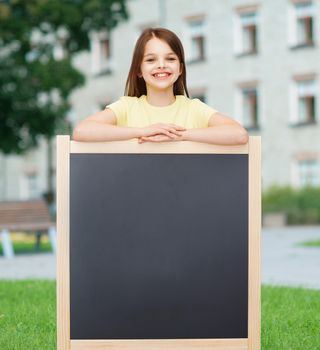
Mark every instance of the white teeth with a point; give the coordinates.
(161, 75)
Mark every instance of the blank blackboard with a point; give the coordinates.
(158, 246)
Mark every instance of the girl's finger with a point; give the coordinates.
(176, 132)
(163, 138)
(178, 127)
(166, 132)
(158, 138)
(172, 132)
(153, 138)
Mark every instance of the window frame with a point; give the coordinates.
(255, 120)
(240, 27)
(293, 19)
(296, 94)
(195, 33)
(101, 65)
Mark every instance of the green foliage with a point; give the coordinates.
(302, 206)
(23, 116)
(78, 17)
(34, 84)
(278, 199)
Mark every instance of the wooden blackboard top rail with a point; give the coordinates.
(132, 146)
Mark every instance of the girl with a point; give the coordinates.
(155, 108)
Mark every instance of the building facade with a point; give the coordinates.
(255, 61)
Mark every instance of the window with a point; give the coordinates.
(306, 102)
(101, 53)
(29, 185)
(247, 106)
(303, 95)
(309, 172)
(196, 40)
(301, 22)
(105, 49)
(245, 31)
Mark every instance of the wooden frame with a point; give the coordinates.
(64, 148)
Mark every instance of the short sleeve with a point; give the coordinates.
(202, 113)
(120, 109)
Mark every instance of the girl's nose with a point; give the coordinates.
(161, 64)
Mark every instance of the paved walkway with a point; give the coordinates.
(35, 266)
(283, 261)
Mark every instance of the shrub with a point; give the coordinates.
(301, 206)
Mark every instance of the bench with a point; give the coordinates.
(25, 216)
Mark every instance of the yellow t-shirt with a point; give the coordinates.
(137, 112)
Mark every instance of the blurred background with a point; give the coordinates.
(257, 62)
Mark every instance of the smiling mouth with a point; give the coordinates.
(161, 76)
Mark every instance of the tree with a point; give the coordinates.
(36, 82)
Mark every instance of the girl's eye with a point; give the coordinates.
(171, 59)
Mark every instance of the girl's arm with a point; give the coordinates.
(221, 130)
(101, 126)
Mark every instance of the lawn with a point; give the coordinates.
(314, 243)
(27, 315)
(26, 243)
(290, 317)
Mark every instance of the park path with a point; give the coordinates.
(285, 262)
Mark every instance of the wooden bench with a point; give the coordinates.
(25, 216)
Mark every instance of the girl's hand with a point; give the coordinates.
(159, 138)
(169, 130)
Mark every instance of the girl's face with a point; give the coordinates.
(159, 58)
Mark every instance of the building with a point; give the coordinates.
(255, 61)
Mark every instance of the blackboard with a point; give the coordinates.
(158, 246)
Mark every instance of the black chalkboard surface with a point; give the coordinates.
(158, 246)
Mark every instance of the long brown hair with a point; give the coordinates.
(136, 86)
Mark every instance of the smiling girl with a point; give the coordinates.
(156, 106)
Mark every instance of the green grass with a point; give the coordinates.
(290, 317)
(314, 243)
(28, 247)
(27, 315)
